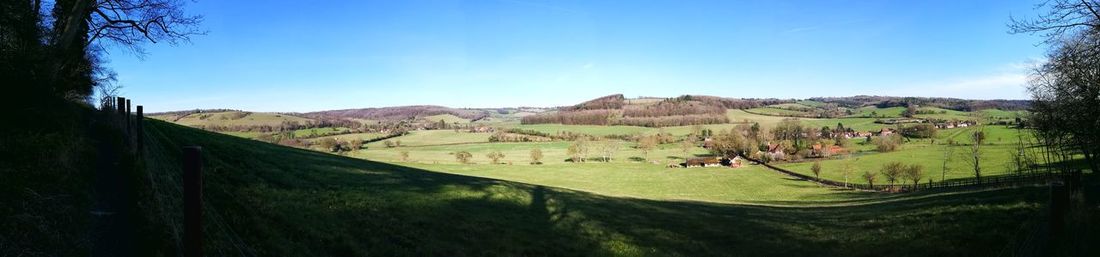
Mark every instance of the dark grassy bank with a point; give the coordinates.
(270, 200)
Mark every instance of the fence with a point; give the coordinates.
(119, 110)
(995, 181)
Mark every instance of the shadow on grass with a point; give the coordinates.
(283, 201)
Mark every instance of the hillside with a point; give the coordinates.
(399, 113)
(270, 200)
(647, 112)
(230, 118)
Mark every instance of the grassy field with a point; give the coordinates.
(436, 137)
(448, 118)
(352, 136)
(232, 118)
(289, 202)
(996, 157)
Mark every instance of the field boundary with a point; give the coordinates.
(968, 183)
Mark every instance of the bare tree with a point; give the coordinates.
(1066, 89)
(870, 178)
(977, 138)
(846, 167)
(914, 173)
(1061, 18)
(495, 156)
(536, 156)
(948, 152)
(647, 144)
(816, 168)
(686, 146)
(463, 157)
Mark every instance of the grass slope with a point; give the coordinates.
(281, 201)
(232, 118)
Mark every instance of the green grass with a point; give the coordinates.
(448, 118)
(228, 119)
(779, 112)
(353, 136)
(996, 158)
(282, 201)
(318, 132)
(866, 111)
(436, 137)
(617, 130)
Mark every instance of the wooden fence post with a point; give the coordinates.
(140, 129)
(192, 201)
(129, 122)
(121, 103)
(1059, 201)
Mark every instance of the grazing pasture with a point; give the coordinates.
(273, 197)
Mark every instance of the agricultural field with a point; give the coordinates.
(447, 118)
(270, 195)
(436, 137)
(235, 118)
(940, 160)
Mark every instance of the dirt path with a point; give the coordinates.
(113, 229)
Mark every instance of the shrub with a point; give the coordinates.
(816, 168)
(463, 157)
(892, 171)
(495, 156)
(887, 143)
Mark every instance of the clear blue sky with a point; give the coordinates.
(307, 56)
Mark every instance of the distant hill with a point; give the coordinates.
(940, 102)
(649, 112)
(224, 117)
(400, 113)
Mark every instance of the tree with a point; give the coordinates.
(1065, 90)
(388, 143)
(62, 57)
(729, 143)
(870, 178)
(910, 110)
(790, 129)
(463, 157)
(495, 156)
(816, 168)
(846, 167)
(329, 144)
(607, 149)
(404, 155)
(977, 138)
(647, 144)
(923, 130)
(578, 151)
(356, 144)
(536, 156)
(686, 146)
(397, 143)
(892, 171)
(948, 152)
(574, 152)
(887, 143)
(914, 173)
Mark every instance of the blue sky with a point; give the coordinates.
(305, 56)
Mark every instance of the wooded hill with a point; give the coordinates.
(399, 113)
(678, 111)
(940, 102)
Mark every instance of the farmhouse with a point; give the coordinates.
(703, 162)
